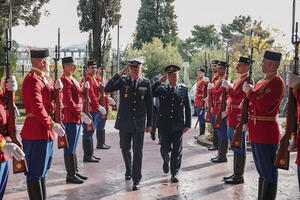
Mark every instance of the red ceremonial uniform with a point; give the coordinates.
(296, 92)
(236, 96)
(72, 100)
(199, 92)
(103, 95)
(217, 95)
(3, 121)
(265, 99)
(94, 93)
(38, 92)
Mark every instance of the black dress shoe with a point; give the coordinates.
(136, 186)
(228, 177)
(96, 157)
(103, 146)
(81, 176)
(89, 159)
(153, 136)
(127, 177)
(219, 159)
(174, 179)
(212, 148)
(214, 158)
(166, 167)
(74, 179)
(235, 180)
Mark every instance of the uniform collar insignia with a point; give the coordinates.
(271, 75)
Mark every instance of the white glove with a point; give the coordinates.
(87, 85)
(58, 129)
(58, 85)
(210, 85)
(205, 79)
(86, 119)
(13, 151)
(12, 84)
(206, 100)
(102, 83)
(247, 87)
(292, 79)
(111, 101)
(245, 127)
(102, 110)
(224, 114)
(226, 84)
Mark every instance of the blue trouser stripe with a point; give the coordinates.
(230, 134)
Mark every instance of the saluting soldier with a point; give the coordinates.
(93, 87)
(215, 143)
(233, 112)
(135, 104)
(199, 97)
(265, 98)
(104, 101)
(217, 99)
(174, 118)
(39, 129)
(72, 117)
(7, 148)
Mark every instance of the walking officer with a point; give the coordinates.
(174, 118)
(39, 129)
(135, 104)
(265, 98)
(72, 117)
(233, 112)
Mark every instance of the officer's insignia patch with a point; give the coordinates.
(268, 91)
(143, 88)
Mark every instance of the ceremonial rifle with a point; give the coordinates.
(202, 104)
(282, 160)
(218, 121)
(86, 99)
(101, 90)
(62, 141)
(210, 97)
(18, 166)
(238, 133)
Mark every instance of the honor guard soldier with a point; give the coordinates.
(214, 146)
(72, 117)
(135, 104)
(155, 112)
(236, 96)
(217, 99)
(265, 98)
(7, 148)
(199, 97)
(104, 101)
(96, 109)
(39, 129)
(174, 118)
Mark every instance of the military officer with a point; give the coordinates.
(233, 112)
(7, 148)
(72, 117)
(38, 132)
(217, 99)
(104, 101)
(214, 146)
(135, 104)
(199, 97)
(265, 98)
(174, 118)
(93, 88)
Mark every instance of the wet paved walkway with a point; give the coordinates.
(199, 178)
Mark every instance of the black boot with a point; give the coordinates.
(202, 129)
(238, 178)
(219, 152)
(223, 148)
(88, 150)
(215, 144)
(269, 191)
(71, 172)
(76, 169)
(234, 167)
(101, 140)
(260, 185)
(43, 184)
(34, 189)
(92, 149)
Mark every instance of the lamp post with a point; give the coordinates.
(118, 17)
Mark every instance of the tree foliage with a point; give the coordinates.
(156, 19)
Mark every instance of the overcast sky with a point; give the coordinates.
(274, 13)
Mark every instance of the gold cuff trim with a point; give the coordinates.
(2, 144)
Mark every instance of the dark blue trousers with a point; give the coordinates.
(101, 122)
(135, 166)
(202, 116)
(4, 171)
(264, 157)
(171, 143)
(39, 155)
(73, 132)
(222, 132)
(230, 134)
(89, 135)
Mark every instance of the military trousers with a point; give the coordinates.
(101, 122)
(222, 132)
(201, 116)
(133, 166)
(171, 149)
(88, 135)
(298, 169)
(4, 171)
(72, 132)
(230, 133)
